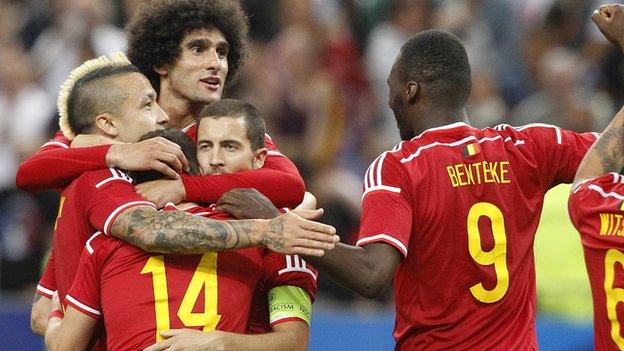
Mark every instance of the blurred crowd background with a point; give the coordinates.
(317, 71)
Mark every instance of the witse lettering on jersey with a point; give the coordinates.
(611, 224)
(483, 172)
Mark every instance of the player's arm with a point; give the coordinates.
(62, 164)
(277, 174)
(39, 314)
(289, 336)
(179, 232)
(209, 188)
(271, 180)
(607, 153)
(73, 332)
(367, 270)
(248, 203)
(308, 203)
(46, 288)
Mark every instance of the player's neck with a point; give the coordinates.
(436, 117)
(181, 111)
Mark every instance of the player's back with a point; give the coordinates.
(474, 198)
(597, 212)
(140, 294)
(89, 204)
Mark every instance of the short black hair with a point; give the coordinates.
(174, 135)
(94, 94)
(156, 32)
(254, 123)
(437, 59)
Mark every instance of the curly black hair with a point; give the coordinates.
(156, 32)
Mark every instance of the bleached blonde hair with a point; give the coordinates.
(117, 59)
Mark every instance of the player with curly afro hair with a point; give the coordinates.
(189, 50)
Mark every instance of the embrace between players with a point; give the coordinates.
(459, 247)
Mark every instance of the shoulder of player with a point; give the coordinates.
(102, 177)
(542, 131)
(101, 244)
(608, 186)
(288, 265)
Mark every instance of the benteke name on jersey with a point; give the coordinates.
(483, 172)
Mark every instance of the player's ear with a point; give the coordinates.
(259, 158)
(106, 124)
(161, 70)
(411, 91)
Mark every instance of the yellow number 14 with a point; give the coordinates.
(205, 276)
(497, 256)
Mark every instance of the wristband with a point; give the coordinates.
(56, 313)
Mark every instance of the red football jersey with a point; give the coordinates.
(206, 292)
(62, 165)
(462, 205)
(596, 211)
(47, 282)
(90, 204)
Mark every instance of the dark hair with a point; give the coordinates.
(438, 59)
(93, 94)
(254, 124)
(156, 32)
(174, 135)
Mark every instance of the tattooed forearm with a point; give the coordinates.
(178, 232)
(610, 149)
(275, 241)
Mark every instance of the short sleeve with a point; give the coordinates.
(596, 206)
(278, 269)
(84, 295)
(558, 152)
(47, 284)
(113, 194)
(386, 205)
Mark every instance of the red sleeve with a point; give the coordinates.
(47, 283)
(387, 196)
(277, 174)
(84, 295)
(113, 194)
(56, 165)
(292, 270)
(595, 207)
(562, 150)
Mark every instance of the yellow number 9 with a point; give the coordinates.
(614, 295)
(497, 256)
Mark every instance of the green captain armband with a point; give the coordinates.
(288, 302)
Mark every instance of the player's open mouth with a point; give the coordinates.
(213, 83)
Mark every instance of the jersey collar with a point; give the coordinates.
(445, 127)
